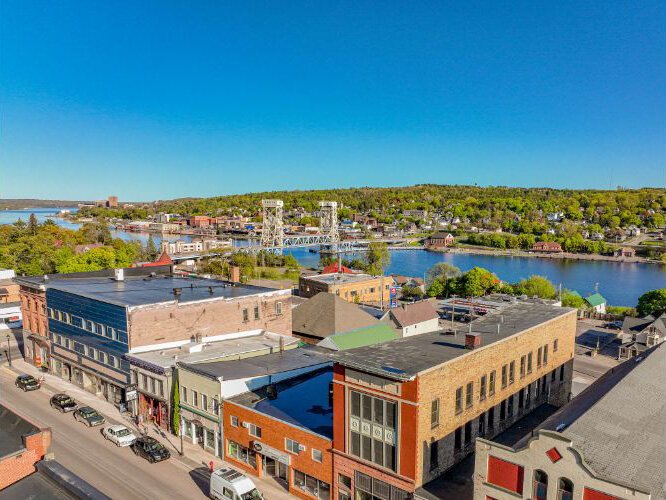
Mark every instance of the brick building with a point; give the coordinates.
(198, 221)
(606, 444)
(32, 294)
(361, 288)
(284, 431)
(408, 410)
(547, 247)
(439, 240)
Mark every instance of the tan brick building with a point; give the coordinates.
(408, 410)
(360, 288)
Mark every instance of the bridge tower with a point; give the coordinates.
(272, 234)
(328, 220)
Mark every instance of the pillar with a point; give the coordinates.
(193, 428)
(217, 443)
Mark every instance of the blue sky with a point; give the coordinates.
(168, 99)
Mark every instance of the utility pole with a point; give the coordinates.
(9, 351)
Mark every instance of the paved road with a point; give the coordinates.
(117, 472)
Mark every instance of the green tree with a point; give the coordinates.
(653, 302)
(477, 282)
(571, 299)
(33, 225)
(412, 292)
(442, 270)
(151, 249)
(377, 258)
(175, 406)
(535, 285)
(436, 289)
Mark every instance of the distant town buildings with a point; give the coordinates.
(547, 247)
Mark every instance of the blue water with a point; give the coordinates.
(620, 282)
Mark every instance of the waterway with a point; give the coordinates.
(620, 282)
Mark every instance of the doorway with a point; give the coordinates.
(277, 470)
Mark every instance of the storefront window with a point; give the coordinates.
(241, 453)
(312, 485)
(210, 439)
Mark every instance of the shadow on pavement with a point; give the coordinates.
(201, 477)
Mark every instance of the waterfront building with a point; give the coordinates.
(408, 410)
(94, 321)
(359, 288)
(606, 444)
(547, 247)
(439, 240)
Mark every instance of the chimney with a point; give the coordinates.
(234, 274)
(119, 274)
(472, 340)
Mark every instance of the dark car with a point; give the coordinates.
(27, 383)
(150, 449)
(89, 416)
(63, 402)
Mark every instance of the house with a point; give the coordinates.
(368, 335)
(606, 444)
(406, 411)
(547, 247)
(409, 282)
(634, 231)
(640, 334)
(327, 314)
(163, 260)
(284, 431)
(596, 302)
(359, 287)
(625, 252)
(413, 319)
(205, 388)
(336, 268)
(439, 240)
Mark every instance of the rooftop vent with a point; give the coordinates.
(271, 391)
(472, 341)
(119, 274)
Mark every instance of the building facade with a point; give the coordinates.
(405, 415)
(359, 288)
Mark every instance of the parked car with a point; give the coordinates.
(119, 434)
(150, 449)
(88, 416)
(63, 402)
(227, 483)
(27, 383)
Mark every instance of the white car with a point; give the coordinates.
(119, 434)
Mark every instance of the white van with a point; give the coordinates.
(228, 484)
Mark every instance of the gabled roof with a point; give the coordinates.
(637, 325)
(412, 314)
(327, 314)
(369, 335)
(163, 260)
(596, 299)
(333, 268)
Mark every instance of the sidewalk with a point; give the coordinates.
(195, 460)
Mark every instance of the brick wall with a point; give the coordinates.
(171, 322)
(274, 434)
(443, 381)
(349, 291)
(16, 466)
(33, 310)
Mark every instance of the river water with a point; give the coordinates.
(620, 282)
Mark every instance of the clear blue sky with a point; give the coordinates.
(199, 98)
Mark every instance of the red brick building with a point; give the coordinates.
(24, 444)
(547, 247)
(284, 431)
(198, 221)
(439, 240)
(35, 322)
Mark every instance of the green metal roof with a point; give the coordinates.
(361, 337)
(596, 299)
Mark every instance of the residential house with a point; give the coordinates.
(625, 252)
(327, 314)
(408, 410)
(409, 282)
(360, 337)
(547, 247)
(596, 302)
(415, 318)
(640, 334)
(606, 444)
(439, 240)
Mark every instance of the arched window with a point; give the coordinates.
(564, 489)
(540, 485)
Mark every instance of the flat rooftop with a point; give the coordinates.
(302, 401)
(404, 358)
(341, 278)
(258, 366)
(618, 423)
(13, 428)
(138, 291)
(209, 350)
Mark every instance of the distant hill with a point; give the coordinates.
(20, 203)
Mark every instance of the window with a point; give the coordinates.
(469, 396)
(565, 489)
(113, 361)
(312, 485)
(468, 432)
(521, 398)
(509, 408)
(195, 398)
(482, 424)
(233, 419)
(241, 453)
(99, 329)
(539, 357)
(491, 384)
(545, 355)
(256, 312)
(504, 376)
(503, 411)
(434, 413)
(204, 402)
(317, 455)
(292, 446)
(540, 485)
(372, 431)
(491, 417)
(143, 384)
(434, 455)
(561, 373)
(529, 362)
(216, 406)
(111, 333)
(91, 352)
(555, 346)
(344, 481)
(160, 388)
(459, 397)
(457, 442)
(505, 475)
(254, 430)
(152, 385)
(278, 308)
(523, 366)
(183, 394)
(101, 356)
(482, 388)
(512, 371)
(246, 316)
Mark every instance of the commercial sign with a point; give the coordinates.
(131, 393)
(393, 296)
(270, 452)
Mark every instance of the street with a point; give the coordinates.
(115, 471)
